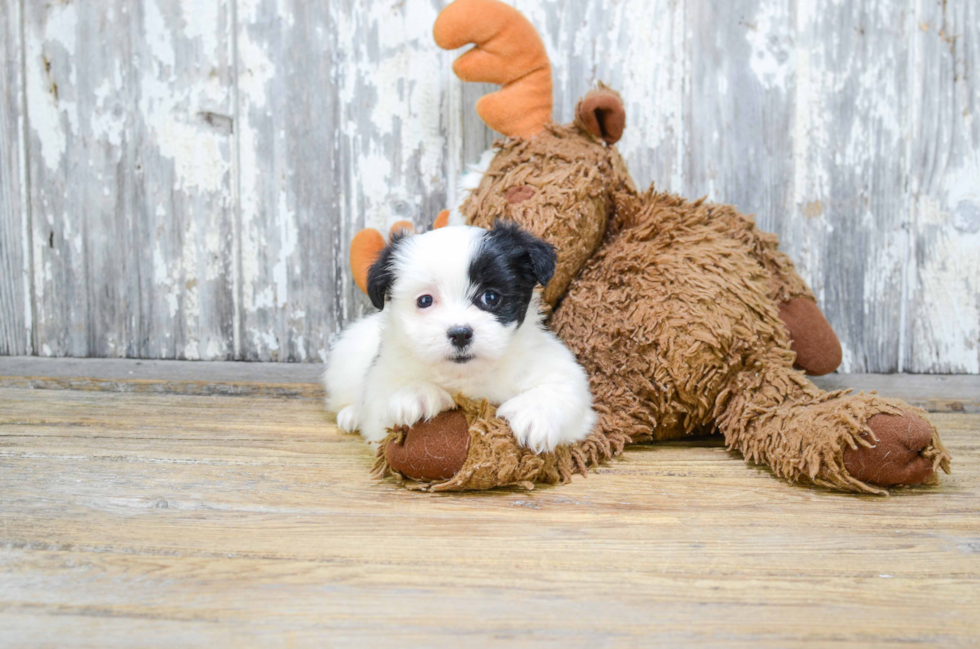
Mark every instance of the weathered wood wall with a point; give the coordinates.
(180, 178)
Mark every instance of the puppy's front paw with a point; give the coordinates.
(409, 405)
(534, 424)
(347, 420)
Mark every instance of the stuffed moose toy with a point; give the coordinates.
(687, 319)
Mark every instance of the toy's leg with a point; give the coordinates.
(471, 448)
(860, 443)
(817, 349)
(429, 451)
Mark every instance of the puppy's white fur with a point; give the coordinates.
(395, 367)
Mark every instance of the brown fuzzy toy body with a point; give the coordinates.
(673, 308)
(687, 318)
(676, 320)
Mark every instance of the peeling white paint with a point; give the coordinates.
(171, 110)
(158, 37)
(46, 100)
(198, 20)
(287, 246)
(256, 71)
(771, 45)
(62, 25)
(947, 331)
(397, 136)
(198, 157)
(391, 102)
(641, 54)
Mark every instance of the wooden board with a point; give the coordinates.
(944, 261)
(15, 272)
(193, 172)
(130, 159)
(170, 520)
(955, 393)
(639, 48)
(740, 108)
(341, 117)
(852, 97)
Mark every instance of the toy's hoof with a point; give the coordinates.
(818, 351)
(432, 450)
(897, 458)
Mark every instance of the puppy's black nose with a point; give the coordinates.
(460, 336)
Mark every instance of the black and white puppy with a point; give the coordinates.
(459, 314)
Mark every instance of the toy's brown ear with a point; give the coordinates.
(601, 113)
(442, 220)
(364, 250)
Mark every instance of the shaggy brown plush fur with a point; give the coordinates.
(493, 459)
(672, 307)
(687, 318)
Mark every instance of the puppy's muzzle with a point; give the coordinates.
(460, 337)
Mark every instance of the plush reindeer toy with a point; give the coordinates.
(687, 318)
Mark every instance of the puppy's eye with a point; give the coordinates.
(424, 301)
(490, 299)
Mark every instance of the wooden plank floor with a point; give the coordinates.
(166, 518)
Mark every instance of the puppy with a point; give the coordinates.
(458, 313)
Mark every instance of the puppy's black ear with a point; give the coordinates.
(543, 258)
(381, 275)
(540, 253)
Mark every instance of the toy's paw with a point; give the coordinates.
(347, 420)
(409, 405)
(432, 450)
(818, 351)
(901, 455)
(535, 425)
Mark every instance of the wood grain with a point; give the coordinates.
(189, 520)
(292, 235)
(640, 48)
(741, 107)
(15, 272)
(130, 158)
(341, 117)
(933, 393)
(197, 170)
(852, 100)
(944, 262)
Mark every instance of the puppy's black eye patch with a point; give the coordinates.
(507, 266)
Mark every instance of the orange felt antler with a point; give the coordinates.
(508, 52)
